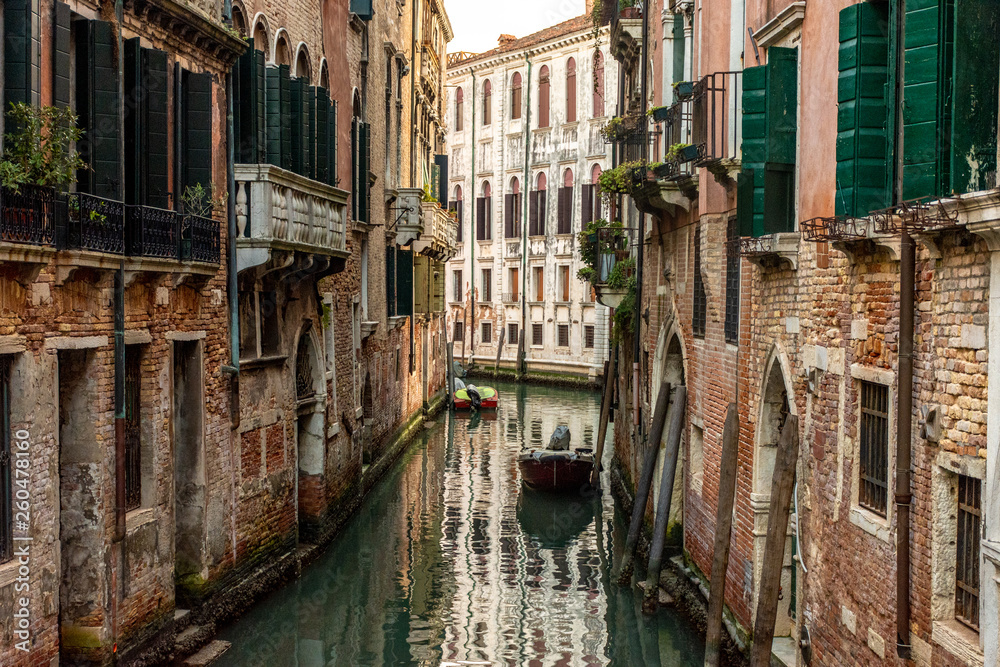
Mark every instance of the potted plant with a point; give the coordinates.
(660, 114)
(629, 10)
(683, 89)
(661, 169)
(682, 153)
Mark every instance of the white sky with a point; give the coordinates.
(478, 23)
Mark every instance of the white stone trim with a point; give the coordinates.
(75, 342)
(138, 337)
(185, 336)
(870, 522)
(787, 21)
(13, 344)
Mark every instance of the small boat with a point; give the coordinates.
(557, 467)
(471, 397)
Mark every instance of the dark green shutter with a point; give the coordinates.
(60, 54)
(441, 161)
(248, 107)
(22, 52)
(754, 144)
(258, 152)
(355, 167)
(363, 8)
(779, 198)
(133, 121)
(98, 109)
(404, 282)
(273, 115)
(297, 107)
(508, 215)
(976, 81)
(333, 145)
(196, 107)
(864, 166)
(926, 86)
(285, 81)
(744, 202)
(390, 280)
(310, 131)
(364, 211)
(782, 104)
(322, 135)
(156, 189)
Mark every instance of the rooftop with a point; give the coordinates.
(508, 43)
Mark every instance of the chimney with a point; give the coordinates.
(506, 39)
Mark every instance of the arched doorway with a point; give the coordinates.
(775, 407)
(310, 428)
(668, 366)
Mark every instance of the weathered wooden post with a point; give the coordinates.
(670, 456)
(774, 548)
(645, 479)
(496, 366)
(723, 529)
(450, 360)
(602, 425)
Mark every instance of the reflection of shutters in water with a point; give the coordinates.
(304, 387)
(133, 470)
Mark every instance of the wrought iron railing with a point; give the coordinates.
(200, 240)
(95, 223)
(716, 127)
(152, 232)
(511, 297)
(28, 215)
(834, 228)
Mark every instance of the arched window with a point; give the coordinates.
(571, 91)
(324, 75)
(302, 68)
(564, 224)
(458, 207)
(487, 101)
(459, 109)
(536, 208)
(484, 207)
(598, 85)
(543, 96)
(239, 20)
(260, 40)
(515, 96)
(282, 54)
(512, 210)
(591, 203)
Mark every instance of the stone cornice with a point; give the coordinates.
(519, 55)
(197, 32)
(780, 26)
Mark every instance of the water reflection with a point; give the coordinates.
(451, 561)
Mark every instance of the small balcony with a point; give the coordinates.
(287, 220)
(511, 298)
(716, 127)
(626, 34)
(409, 217)
(440, 233)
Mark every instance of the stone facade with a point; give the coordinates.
(518, 277)
(818, 325)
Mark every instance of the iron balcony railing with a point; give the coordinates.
(200, 239)
(95, 223)
(151, 232)
(28, 215)
(717, 109)
(511, 297)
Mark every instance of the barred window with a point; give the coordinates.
(536, 333)
(732, 281)
(457, 285)
(6, 499)
(874, 469)
(700, 298)
(588, 336)
(563, 332)
(970, 519)
(511, 333)
(133, 431)
(486, 332)
(487, 292)
(459, 334)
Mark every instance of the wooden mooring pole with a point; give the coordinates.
(774, 548)
(723, 529)
(670, 454)
(645, 479)
(450, 360)
(496, 366)
(602, 425)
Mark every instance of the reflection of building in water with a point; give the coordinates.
(527, 599)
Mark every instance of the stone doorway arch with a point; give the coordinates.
(669, 365)
(310, 432)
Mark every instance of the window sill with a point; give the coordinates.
(871, 523)
(8, 571)
(958, 640)
(138, 518)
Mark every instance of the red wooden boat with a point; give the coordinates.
(488, 398)
(557, 468)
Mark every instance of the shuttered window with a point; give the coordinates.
(864, 137)
(699, 298)
(404, 282)
(459, 110)
(588, 336)
(536, 333)
(543, 97)
(486, 283)
(361, 160)
(511, 333)
(487, 102)
(457, 286)
(390, 280)
(536, 213)
(562, 333)
(249, 97)
(770, 106)
(515, 96)
(363, 8)
(299, 125)
(22, 52)
(196, 134)
(732, 325)
(61, 62)
(483, 221)
(97, 109)
(486, 332)
(571, 91)
(565, 212)
(146, 179)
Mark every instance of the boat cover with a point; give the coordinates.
(559, 441)
(484, 393)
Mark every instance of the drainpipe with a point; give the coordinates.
(522, 361)
(904, 411)
(636, 317)
(231, 266)
(472, 228)
(413, 95)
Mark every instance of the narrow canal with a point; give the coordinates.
(451, 562)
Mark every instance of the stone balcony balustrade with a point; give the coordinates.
(284, 219)
(439, 239)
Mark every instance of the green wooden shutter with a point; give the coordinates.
(421, 266)
(285, 81)
(754, 145)
(390, 280)
(976, 81)
(355, 167)
(248, 116)
(22, 52)
(310, 132)
(779, 198)
(156, 187)
(322, 162)
(297, 107)
(745, 201)
(333, 143)
(196, 140)
(98, 109)
(259, 151)
(864, 167)
(273, 115)
(404, 282)
(133, 121)
(363, 8)
(926, 86)
(782, 104)
(60, 54)
(363, 168)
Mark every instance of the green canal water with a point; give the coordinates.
(451, 562)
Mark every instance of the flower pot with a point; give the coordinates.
(630, 13)
(684, 89)
(661, 114)
(609, 296)
(663, 170)
(688, 153)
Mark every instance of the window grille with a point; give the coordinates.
(487, 292)
(874, 468)
(588, 336)
(967, 561)
(536, 334)
(732, 282)
(563, 331)
(487, 332)
(459, 334)
(511, 333)
(457, 285)
(133, 432)
(6, 488)
(700, 298)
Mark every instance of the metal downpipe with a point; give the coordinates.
(904, 412)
